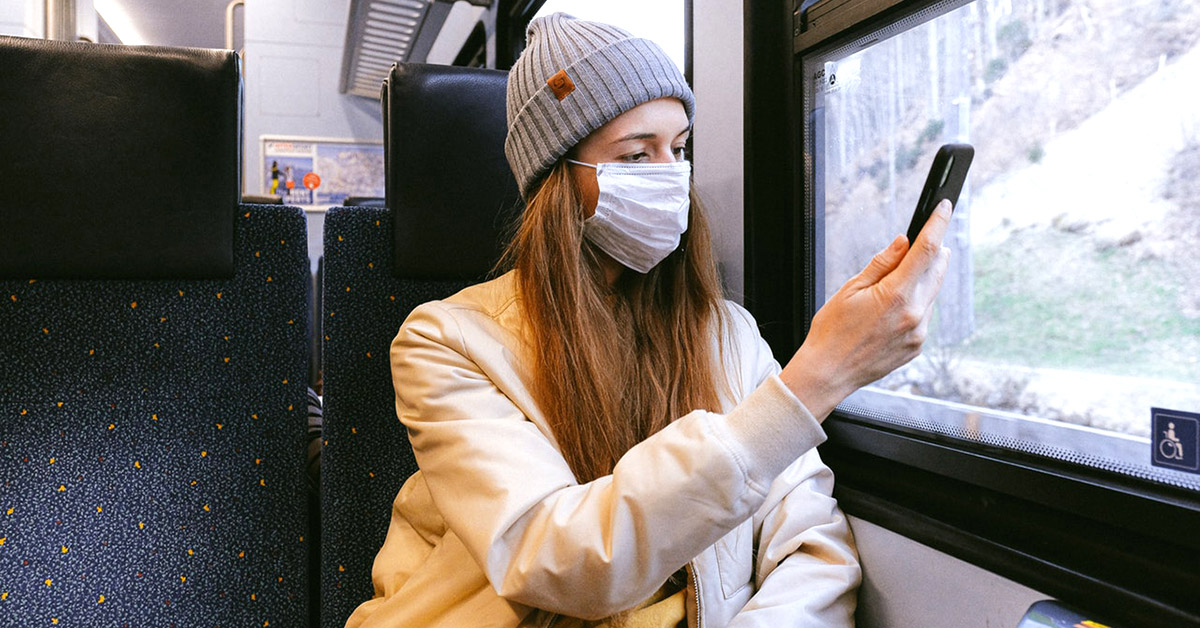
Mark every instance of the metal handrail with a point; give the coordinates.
(229, 21)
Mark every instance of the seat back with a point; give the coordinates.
(444, 130)
(113, 158)
(152, 409)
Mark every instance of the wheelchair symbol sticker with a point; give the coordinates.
(1175, 439)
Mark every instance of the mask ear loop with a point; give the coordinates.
(583, 163)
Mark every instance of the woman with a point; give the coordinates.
(602, 439)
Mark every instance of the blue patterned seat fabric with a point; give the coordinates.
(152, 441)
(365, 456)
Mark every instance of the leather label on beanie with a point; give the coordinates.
(561, 84)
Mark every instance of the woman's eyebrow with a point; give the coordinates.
(644, 135)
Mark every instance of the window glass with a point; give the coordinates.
(658, 20)
(1072, 303)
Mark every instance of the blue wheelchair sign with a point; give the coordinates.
(1175, 439)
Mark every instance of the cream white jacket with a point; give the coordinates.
(495, 525)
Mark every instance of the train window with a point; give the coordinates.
(1071, 307)
(661, 21)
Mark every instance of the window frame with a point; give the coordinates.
(1119, 546)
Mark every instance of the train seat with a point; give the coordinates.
(152, 404)
(450, 195)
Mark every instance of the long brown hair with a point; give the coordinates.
(613, 364)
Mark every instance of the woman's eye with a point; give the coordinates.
(635, 157)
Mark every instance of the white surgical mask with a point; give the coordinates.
(641, 212)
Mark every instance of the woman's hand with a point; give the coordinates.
(875, 323)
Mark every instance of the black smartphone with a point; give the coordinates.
(945, 180)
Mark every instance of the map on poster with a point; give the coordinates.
(343, 168)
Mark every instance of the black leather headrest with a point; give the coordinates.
(117, 161)
(449, 187)
(364, 201)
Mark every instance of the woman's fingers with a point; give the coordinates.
(925, 250)
(875, 323)
(883, 263)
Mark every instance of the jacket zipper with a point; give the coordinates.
(694, 585)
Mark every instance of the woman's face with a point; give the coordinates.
(652, 132)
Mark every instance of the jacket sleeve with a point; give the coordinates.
(807, 566)
(584, 550)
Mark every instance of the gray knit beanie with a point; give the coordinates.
(572, 78)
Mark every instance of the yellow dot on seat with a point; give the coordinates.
(183, 578)
(3, 596)
(141, 525)
(101, 600)
(52, 460)
(64, 549)
(341, 568)
(262, 482)
(181, 293)
(49, 582)
(190, 552)
(133, 306)
(60, 404)
(2, 540)
(203, 454)
(206, 508)
(99, 509)
(137, 464)
(112, 426)
(269, 279)
(24, 412)
(54, 620)
(339, 238)
(62, 487)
